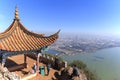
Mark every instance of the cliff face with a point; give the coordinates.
(6, 75)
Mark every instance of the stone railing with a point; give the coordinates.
(48, 59)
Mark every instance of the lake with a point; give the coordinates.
(105, 63)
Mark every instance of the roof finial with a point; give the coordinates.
(16, 13)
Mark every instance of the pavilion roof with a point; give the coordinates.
(18, 38)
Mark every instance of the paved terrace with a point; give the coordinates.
(19, 59)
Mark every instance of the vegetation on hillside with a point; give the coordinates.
(90, 75)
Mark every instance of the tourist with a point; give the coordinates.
(48, 68)
(34, 67)
(75, 71)
(56, 63)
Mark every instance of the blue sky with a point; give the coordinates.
(71, 16)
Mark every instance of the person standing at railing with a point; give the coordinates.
(48, 68)
(34, 67)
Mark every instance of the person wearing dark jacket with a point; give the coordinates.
(75, 71)
(56, 63)
(48, 68)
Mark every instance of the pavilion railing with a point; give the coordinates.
(47, 59)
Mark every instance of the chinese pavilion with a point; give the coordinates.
(18, 40)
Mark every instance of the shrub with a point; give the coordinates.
(78, 63)
(90, 75)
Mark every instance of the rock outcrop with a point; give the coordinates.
(6, 75)
(67, 74)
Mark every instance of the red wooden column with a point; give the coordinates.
(25, 62)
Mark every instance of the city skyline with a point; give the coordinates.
(71, 16)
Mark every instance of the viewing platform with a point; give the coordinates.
(25, 72)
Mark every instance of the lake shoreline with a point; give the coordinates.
(100, 62)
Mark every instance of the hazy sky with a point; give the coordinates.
(75, 16)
